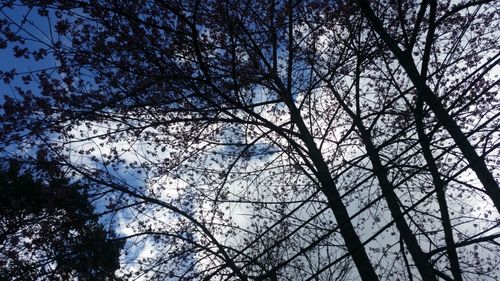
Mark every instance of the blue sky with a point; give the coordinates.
(33, 27)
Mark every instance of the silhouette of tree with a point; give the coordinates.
(48, 231)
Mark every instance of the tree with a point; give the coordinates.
(274, 141)
(50, 232)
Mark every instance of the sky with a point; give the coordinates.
(32, 28)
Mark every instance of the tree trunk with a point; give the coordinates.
(476, 163)
(353, 243)
(440, 193)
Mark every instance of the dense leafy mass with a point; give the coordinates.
(50, 232)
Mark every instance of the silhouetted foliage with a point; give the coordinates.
(48, 231)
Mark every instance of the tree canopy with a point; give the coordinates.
(48, 231)
(270, 140)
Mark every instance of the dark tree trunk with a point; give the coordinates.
(419, 257)
(440, 193)
(353, 243)
(425, 93)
